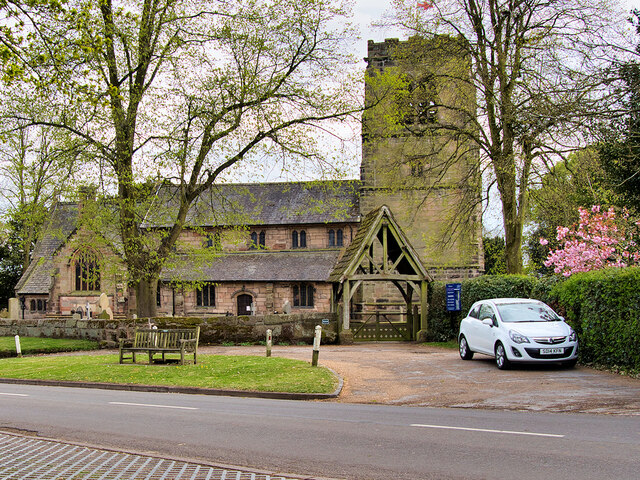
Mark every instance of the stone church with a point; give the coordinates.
(286, 249)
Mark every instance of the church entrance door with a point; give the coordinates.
(245, 303)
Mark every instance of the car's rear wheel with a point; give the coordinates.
(465, 351)
(502, 362)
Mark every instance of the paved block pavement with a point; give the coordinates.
(24, 457)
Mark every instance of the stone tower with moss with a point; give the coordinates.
(417, 156)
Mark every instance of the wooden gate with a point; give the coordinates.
(381, 326)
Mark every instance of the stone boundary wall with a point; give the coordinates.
(213, 330)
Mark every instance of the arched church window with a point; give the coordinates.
(87, 271)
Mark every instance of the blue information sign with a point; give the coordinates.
(454, 294)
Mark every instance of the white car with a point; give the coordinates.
(517, 330)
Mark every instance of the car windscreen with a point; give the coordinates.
(526, 312)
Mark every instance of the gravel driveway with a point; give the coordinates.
(413, 374)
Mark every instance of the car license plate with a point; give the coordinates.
(551, 351)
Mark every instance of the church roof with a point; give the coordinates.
(37, 278)
(262, 204)
(265, 266)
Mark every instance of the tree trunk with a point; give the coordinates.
(146, 297)
(513, 224)
(513, 247)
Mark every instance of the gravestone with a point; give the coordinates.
(14, 309)
(105, 310)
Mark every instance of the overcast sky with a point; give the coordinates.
(368, 11)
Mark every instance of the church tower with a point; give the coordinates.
(417, 156)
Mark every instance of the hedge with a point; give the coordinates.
(604, 308)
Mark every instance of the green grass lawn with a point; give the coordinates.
(232, 372)
(30, 345)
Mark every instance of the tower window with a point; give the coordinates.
(417, 101)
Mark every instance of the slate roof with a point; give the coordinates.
(37, 277)
(263, 204)
(265, 266)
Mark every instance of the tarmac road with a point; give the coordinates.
(338, 440)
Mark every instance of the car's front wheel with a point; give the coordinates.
(465, 351)
(570, 363)
(502, 362)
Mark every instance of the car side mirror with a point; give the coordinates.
(487, 321)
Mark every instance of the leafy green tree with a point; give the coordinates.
(538, 80)
(166, 89)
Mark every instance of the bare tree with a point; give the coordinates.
(539, 73)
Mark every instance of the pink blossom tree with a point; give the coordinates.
(600, 239)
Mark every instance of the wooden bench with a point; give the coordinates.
(154, 341)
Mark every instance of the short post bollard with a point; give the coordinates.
(269, 342)
(18, 349)
(316, 346)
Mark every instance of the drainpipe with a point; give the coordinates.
(173, 301)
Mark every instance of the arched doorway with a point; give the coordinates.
(245, 304)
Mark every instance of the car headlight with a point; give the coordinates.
(573, 337)
(518, 337)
